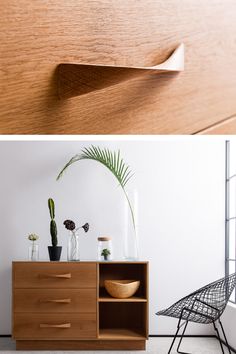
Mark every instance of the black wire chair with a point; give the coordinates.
(205, 305)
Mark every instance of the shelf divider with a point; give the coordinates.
(113, 299)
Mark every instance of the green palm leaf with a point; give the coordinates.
(109, 159)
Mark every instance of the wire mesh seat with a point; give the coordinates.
(205, 306)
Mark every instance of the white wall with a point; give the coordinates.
(229, 320)
(180, 188)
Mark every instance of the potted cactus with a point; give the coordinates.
(54, 250)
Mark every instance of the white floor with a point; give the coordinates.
(154, 346)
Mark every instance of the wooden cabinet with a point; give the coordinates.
(64, 305)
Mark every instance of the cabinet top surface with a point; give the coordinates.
(85, 261)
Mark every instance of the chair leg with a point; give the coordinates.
(177, 331)
(218, 336)
(178, 351)
(227, 344)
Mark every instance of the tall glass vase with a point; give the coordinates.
(73, 253)
(130, 243)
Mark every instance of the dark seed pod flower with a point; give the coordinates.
(86, 227)
(69, 225)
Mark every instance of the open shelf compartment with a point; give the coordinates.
(123, 319)
(123, 271)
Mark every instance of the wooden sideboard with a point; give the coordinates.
(64, 305)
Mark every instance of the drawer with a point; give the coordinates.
(55, 301)
(54, 326)
(54, 275)
(227, 126)
(128, 33)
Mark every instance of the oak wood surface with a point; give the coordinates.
(129, 316)
(54, 326)
(80, 79)
(47, 300)
(107, 298)
(97, 303)
(121, 334)
(39, 275)
(38, 35)
(227, 126)
(81, 345)
(128, 320)
(117, 271)
(146, 308)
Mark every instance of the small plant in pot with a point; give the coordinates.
(54, 250)
(105, 253)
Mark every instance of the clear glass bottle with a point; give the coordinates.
(33, 252)
(130, 240)
(105, 252)
(73, 253)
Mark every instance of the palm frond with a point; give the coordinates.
(111, 160)
(70, 162)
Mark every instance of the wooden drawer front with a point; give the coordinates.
(127, 33)
(227, 126)
(54, 275)
(54, 326)
(49, 300)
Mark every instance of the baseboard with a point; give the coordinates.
(5, 335)
(161, 336)
(186, 335)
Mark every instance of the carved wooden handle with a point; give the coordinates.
(64, 276)
(62, 301)
(63, 325)
(78, 78)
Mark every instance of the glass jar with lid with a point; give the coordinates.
(105, 252)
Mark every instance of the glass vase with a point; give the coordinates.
(33, 254)
(73, 253)
(130, 242)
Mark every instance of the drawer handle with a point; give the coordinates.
(62, 301)
(82, 78)
(63, 325)
(64, 276)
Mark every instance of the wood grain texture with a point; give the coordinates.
(38, 35)
(116, 271)
(108, 298)
(227, 126)
(129, 320)
(80, 345)
(47, 300)
(35, 275)
(47, 326)
(121, 334)
(80, 79)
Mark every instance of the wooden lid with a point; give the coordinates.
(104, 238)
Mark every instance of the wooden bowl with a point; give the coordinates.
(121, 289)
